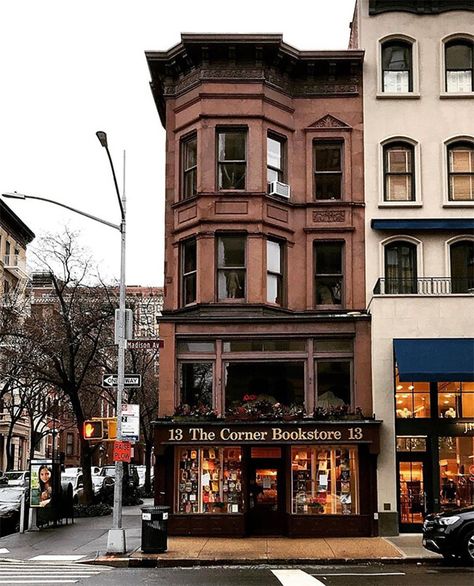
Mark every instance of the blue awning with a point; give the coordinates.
(435, 359)
(424, 224)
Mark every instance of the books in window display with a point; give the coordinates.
(188, 482)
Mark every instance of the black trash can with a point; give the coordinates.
(155, 529)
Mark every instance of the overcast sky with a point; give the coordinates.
(69, 68)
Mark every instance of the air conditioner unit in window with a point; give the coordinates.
(278, 188)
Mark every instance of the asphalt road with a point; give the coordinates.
(360, 575)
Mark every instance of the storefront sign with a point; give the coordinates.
(266, 434)
(468, 427)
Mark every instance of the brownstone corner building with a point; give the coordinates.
(263, 319)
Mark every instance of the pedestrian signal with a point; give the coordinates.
(112, 429)
(93, 430)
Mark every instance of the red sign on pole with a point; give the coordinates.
(122, 451)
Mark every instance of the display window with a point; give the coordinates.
(456, 399)
(456, 472)
(412, 399)
(209, 480)
(324, 480)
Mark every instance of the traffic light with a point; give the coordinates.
(93, 430)
(112, 429)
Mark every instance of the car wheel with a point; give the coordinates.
(469, 547)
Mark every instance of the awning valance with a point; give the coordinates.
(464, 224)
(435, 359)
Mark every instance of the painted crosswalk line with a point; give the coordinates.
(57, 558)
(296, 578)
(51, 572)
(4, 550)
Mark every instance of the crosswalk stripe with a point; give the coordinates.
(59, 558)
(296, 578)
(39, 581)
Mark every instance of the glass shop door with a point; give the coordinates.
(412, 494)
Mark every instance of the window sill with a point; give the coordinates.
(400, 96)
(456, 95)
(468, 203)
(400, 204)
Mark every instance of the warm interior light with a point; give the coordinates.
(411, 387)
(399, 387)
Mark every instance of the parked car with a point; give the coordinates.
(3, 478)
(77, 485)
(18, 477)
(10, 503)
(451, 533)
(101, 483)
(134, 479)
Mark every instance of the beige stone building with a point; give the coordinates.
(419, 193)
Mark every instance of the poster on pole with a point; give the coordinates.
(131, 422)
(41, 483)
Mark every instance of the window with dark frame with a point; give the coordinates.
(231, 158)
(458, 58)
(189, 166)
(399, 172)
(275, 271)
(334, 387)
(196, 383)
(397, 68)
(400, 268)
(461, 256)
(231, 266)
(329, 277)
(327, 169)
(188, 271)
(69, 444)
(461, 171)
(276, 155)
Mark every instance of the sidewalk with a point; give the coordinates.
(86, 541)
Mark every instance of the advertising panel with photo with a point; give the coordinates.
(41, 483)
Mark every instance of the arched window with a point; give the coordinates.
(397, 66)
(461, 171)
(399, 172)
(461, 256)
(458, 59)
(400, 268)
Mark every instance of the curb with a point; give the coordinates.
(150, 562)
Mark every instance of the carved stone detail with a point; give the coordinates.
(329, 121)
(318, 86)
(327, 217)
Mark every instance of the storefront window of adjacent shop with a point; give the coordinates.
(196, 380)
(412, 399)
(455, 400)
(411, 443)
(195, 347)
(256, 345)
(209, 480)
(273, 382)
(333, 383)
(324, 480)
(456, 457)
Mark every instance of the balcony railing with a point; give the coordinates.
(424, 286)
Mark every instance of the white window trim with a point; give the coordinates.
(447, 251)
(402, 238)
(447, 203)
(418, 189)
(442, 66)
(415, 93)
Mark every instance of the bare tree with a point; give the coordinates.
(63, 340)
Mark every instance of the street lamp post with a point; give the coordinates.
(116, 537)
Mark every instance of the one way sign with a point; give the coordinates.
(131, 380)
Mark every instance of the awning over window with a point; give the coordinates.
(435, 359)
(424, 224)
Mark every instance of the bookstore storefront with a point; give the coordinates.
(301, 478)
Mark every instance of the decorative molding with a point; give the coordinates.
(347, 84)
(418, 6)
(329, 216)
(330, 121)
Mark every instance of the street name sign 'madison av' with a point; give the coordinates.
(130, 380)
